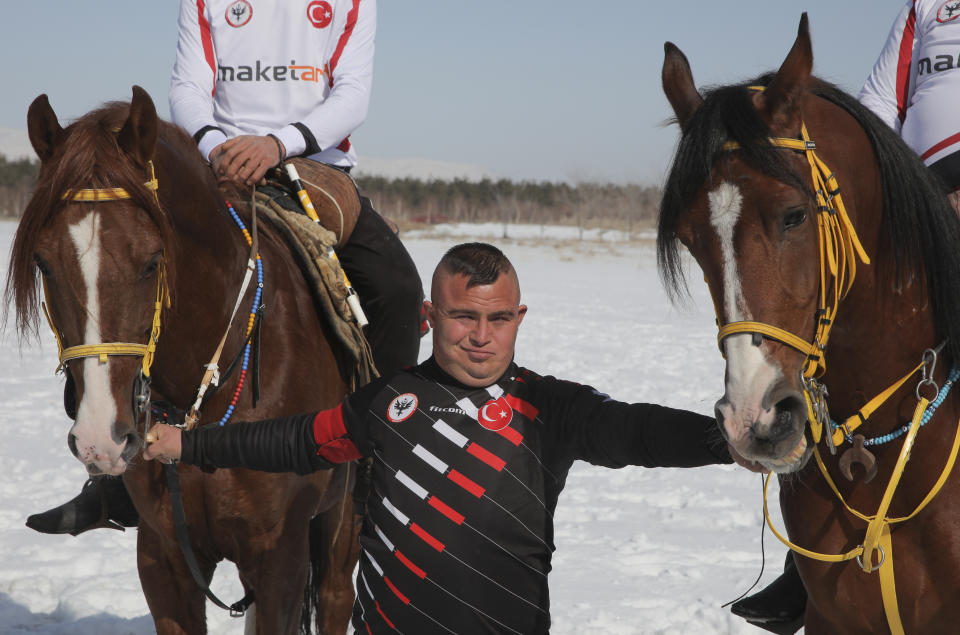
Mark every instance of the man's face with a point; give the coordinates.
(475, 329)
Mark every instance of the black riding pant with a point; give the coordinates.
(389, 286)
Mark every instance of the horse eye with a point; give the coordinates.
(794, 218)
(152, 265)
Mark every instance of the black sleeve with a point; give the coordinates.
(285, 444)
(611, 433)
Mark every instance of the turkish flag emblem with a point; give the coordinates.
(495, 415)
(320, 13)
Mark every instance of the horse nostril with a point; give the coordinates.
(72, 444)
(789, 411)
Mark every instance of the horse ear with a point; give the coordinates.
(44, 129)
(138, 136)
(780, 102)
(678, 84)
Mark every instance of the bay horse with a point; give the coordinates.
(156, 232)
(833, 260)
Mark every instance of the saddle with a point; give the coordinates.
(332, 191)
(337, 203)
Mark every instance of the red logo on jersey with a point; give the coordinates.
(238, 13)
(948, 11)
(495, 415)
(320, 13)
(402, 407)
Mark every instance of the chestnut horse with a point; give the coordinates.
(833, 261)
(104, 264)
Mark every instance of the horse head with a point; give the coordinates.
(95, 235)
(754, 234)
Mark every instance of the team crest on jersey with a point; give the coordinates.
(238, 13)
(948, 11)
(495, 415)
(402, 407)
(320, 13)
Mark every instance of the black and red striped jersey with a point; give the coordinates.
(458, 535)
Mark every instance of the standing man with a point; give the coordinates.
(256, 82)
(470, 454)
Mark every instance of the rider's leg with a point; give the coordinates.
(780, 606)
(389, 286)
(103, 502)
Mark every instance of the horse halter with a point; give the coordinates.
(104, 350)
(839, 248)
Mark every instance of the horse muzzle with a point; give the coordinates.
(770, 431)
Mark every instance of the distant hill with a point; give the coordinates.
(15, 144)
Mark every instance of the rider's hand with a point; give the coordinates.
(753, 466)
(245, 159)
(163, 444)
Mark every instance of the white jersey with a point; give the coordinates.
(915, 85)
(299, 69)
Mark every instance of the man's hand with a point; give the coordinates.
(753, 466)
(163, 444)
(245, 159)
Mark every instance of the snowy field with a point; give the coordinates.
(638, 551)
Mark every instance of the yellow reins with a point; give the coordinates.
(104, 350)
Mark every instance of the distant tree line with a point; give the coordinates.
(16, 184)
(415, 201)
(586, 205)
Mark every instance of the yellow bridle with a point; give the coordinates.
(839, 250)
(104, 350)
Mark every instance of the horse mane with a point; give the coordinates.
(919, 231)
(88, 157)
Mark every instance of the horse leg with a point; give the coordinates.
(176, 603)
(276, 568)
(335, 548)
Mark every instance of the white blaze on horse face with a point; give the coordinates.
(749, 373)
(97, 410)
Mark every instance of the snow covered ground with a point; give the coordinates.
(638, 551)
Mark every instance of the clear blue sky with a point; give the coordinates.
(527, 89)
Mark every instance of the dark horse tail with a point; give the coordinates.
(331, 547)
(310, 618)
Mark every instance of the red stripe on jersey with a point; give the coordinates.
(525, 408)
(420, 573)
(369, 632)
(330, 433)
(465, 483)
(383, 615)
(344, 37)
(510, 434)
(487, 457)
(904, 63)
(396, 592)
(940, 145)
(446, 510)
(207, 42)
(427, 538)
